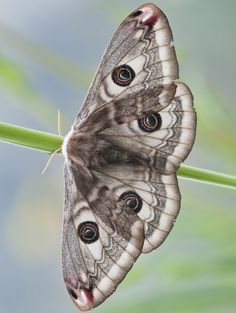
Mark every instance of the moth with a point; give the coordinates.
(136, 126)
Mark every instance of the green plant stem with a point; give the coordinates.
(207, 176)
(30, 138)
(47, 142)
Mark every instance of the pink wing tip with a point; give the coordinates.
(147, 14)
(83, 297)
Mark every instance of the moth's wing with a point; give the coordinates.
(144, 43)
(167, 143)
(93, 270)
(144, 163)
(154, 197)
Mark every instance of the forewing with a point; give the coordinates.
(143, 42)
(92, 270)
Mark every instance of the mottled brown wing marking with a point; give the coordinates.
(137, 105)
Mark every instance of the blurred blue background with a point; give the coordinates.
(49, 51)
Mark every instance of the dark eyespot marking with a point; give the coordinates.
(72, 293)
(136, 13)
(88, 232)
(150, 123)
(133, 200)
(123, 75)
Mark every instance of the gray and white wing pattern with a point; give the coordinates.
(158, 144)
(102, 238)
(154, 197)
(164, 138)
(138, 67)
(135, 128)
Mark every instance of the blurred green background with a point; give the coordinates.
(49, 51)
